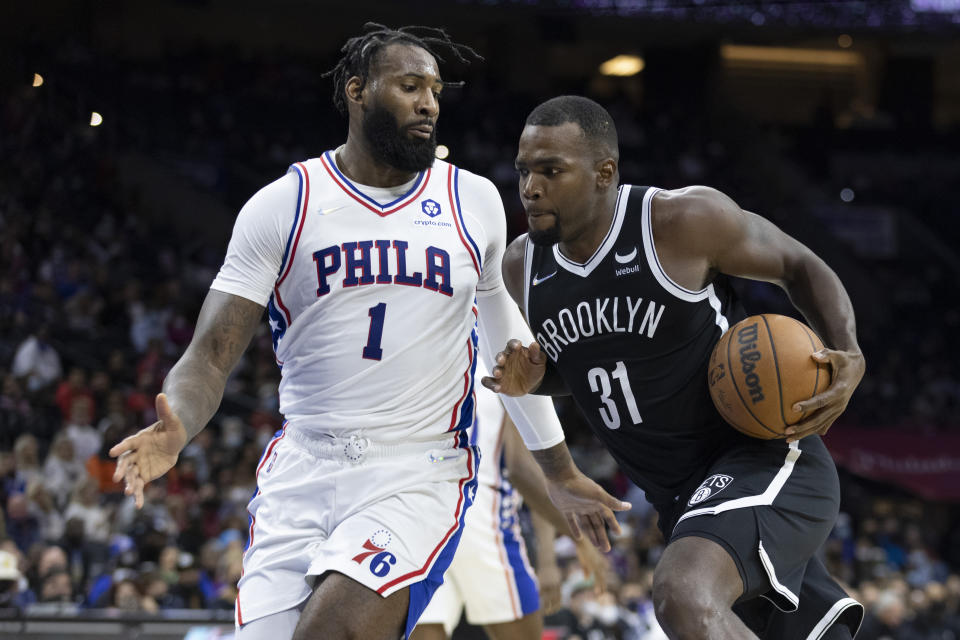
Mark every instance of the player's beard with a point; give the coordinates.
(545, 237)
(391, 145)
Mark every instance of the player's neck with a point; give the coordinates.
(596, 226)
(357, 162)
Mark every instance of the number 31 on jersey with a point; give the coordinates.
(599, 381)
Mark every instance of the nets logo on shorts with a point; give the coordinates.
(710, 487)
(382, 561)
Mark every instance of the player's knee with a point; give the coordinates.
(684, 608)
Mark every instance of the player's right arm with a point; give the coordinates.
(192, 391)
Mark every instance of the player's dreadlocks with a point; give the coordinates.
(360, 50)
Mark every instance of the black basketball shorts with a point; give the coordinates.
(771, 506)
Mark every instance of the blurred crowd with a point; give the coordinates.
(97, 302)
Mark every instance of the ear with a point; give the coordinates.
(606, 173)
(354, 90)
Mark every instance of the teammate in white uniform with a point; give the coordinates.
(374, 262)
(490, 576)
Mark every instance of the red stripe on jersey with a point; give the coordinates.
(303, 216)
(456, 524)
(511, 583)
(296, 241)
(333, 176)
(253, 521)
(456, 220)
(466, 385)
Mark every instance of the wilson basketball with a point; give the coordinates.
(762, 366)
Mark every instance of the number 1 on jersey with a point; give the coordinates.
(599, 381)
(373, 351)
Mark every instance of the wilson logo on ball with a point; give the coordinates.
(759, 368)
(749, 357)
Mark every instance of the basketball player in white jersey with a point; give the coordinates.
(374, 262)
(490, 576)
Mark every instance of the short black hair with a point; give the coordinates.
(360, 50)
(595, 121)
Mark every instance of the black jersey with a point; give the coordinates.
(633, 346)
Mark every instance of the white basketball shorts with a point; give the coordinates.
(387, 516)
(490, 575)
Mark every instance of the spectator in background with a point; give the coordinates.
(101, 466)
(26, 457)
(37, 362)
(884, 619)
(73, 387)
(86, 439)
(44, 509)
(14, 591)
(56, 587)
(85, 505)
(15, 410)
(127, 596)
(62, 471)
(21, 525)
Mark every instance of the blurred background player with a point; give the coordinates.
(490, 576)
(374, 262)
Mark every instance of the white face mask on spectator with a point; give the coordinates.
(605, 614)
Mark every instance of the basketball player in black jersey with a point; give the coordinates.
(626, 291)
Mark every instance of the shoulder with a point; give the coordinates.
(690, 202)
(286, 188)
(695, 208)
(469, 183)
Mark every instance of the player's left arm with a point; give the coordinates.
(736, 242)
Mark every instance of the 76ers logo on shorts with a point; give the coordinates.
(710, 487)
(430, 207)
(382, 561)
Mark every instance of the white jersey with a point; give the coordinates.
(371, 295)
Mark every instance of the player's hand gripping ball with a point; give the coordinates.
(759, 368)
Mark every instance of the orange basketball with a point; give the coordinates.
(759, 368)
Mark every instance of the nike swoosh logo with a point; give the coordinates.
(537, 279)
(326, 212)
(627, 258)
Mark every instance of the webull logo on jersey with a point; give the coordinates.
(749, 357)
(356, 262)
(381, 561)
(602, 315)
(710, 487)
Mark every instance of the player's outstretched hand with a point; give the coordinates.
(587, 507)
(594, 564)
(518, 369)
(149, 453)
(847, 369)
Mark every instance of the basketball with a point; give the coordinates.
(759, 368)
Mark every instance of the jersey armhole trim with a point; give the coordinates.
(303, 197)
(527, 266)
(653, 261)
(453, 190)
